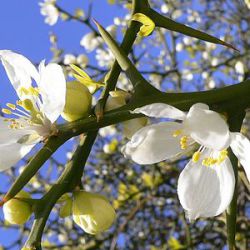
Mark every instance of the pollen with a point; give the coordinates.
(196, 156)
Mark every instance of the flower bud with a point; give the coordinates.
(92, 212)
(66, 208)
(17, 211)
(130, 126)
(78, 101)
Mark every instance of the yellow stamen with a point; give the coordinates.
(183, 142)
(7, 111)
(177, 133)
(33, 91)
(11, 106)
(19, 103)
(196, 156)
(24, 91)
(29, 91)
(28, 105)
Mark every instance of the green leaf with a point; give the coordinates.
(147, 24)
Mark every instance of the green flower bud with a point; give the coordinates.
(92, 212)
(78, 101)
(131, 126)
(114, 102)
(117, 100)
(66, 208)
(17, 211)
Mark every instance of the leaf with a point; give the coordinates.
(147, 24)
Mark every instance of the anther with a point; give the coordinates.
(196, 156)
(7, 111)
(11, 106)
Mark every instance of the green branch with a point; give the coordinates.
(235, 123)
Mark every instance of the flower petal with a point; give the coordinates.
(154, 143)
(241, 148)
(12, 153)
(207, 128)
(206, 191)
(19, 69)
(161, 110)
(8, 135)
(53, 90)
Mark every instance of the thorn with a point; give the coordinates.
(230, 46)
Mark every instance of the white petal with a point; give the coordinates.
(53, 90)
(207, 128)
(206, 191)
(8, 136)
(161, 110)
(19, 69)
(154, 143)
(241, 148)
(12, 153)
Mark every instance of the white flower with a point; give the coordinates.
(82, 60)
(239, 67)
(90, 41)
(104, 57)
(206, 185)
(50, 12)
(69, 59)
(37, 109)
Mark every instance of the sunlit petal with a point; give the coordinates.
(207, 128)
(161, 110)
(12, 153)
(206, 191)
(241, 148)
(19, 69)
(53, 90)
(153, 144)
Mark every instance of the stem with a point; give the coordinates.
(64, 184)
(221, 100)
(35, 164)
(235, 123)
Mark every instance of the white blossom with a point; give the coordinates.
(206, 185)
(69, 59)
(90, 41)
(239, 68)
(34, 114)
(50, 12)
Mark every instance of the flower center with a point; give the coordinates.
(210, 160)
(27, 110)
(186, 141)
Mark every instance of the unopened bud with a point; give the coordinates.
(130, 126)
(114, 102)
(78, 101)
(17, 211)
(66, 208)
(92, 212)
